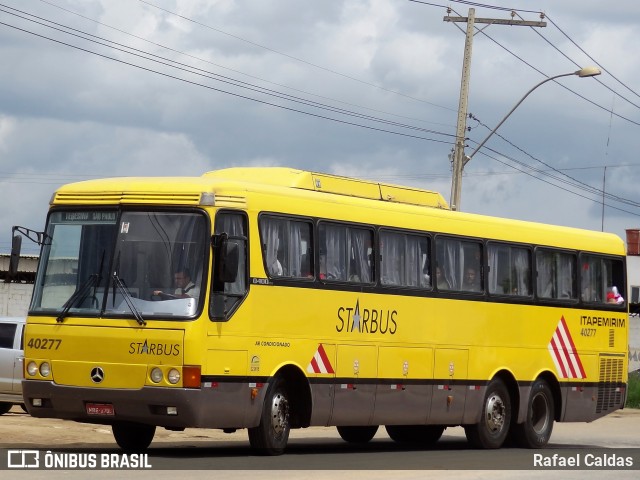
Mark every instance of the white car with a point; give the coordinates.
(11, 362)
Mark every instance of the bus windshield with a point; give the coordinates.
(121, 263)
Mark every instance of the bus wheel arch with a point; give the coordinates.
(286, 405)
(299, 393)
(541, 411)
(491, 430)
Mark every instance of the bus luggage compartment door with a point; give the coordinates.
(355, 390)
(449, 389)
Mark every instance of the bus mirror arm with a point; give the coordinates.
(16, 245)
(226, 259)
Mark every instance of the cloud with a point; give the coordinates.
(68, 115)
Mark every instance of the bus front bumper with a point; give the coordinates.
(229, 405)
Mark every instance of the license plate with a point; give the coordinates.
(100, 409)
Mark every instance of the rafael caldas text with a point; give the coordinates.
(574, 460)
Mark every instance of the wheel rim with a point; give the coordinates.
(279, 414)
(539, 413)
(495, 413)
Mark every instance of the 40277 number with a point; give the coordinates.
(588, 332)
(44, 343)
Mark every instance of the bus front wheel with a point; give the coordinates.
(270, 437)
(493, 427)
(133, 437)
(535, 431)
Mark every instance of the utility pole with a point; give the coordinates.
(459, 158)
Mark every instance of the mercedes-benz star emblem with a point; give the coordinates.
(97, 375)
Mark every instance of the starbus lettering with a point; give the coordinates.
(146, 348)
(366, 320)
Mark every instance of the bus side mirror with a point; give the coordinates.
(226, 258)
(16, 246)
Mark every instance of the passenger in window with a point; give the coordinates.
(441, 282)
(276, 268)
(425, 280)
(353, 272)
(613, 296)
(471, 281)
(305, 266)
(322, 270)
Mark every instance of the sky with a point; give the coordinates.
(365, 88)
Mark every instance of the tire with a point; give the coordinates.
(422, 434)
(493, 427)
(270, 437)
(357, 434)
(5, 407)
(133, 437)
(535, 431)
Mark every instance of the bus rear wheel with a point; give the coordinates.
(270, 437)
(360, 434)
(493, 427)
(423, 434)
(133, 437)
(535, 431)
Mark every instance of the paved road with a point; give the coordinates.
(319, 452)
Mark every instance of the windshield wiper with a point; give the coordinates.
(127, 298)
(78, 296)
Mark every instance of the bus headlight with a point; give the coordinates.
(45, 369)
(173, 376)
(32, 369)
(156, 375)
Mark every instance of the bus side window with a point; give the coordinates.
(460, 262)
(556, 275)
(404, 260)
(509, 270)
(345, 253)
(286, 244)
(598, 276)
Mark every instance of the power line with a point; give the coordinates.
(573, 181)
(493, 7)
(297, 59)
(195, 83)
(592, 59)
(545, 75)
(211, 75)
(580, 66)
(200, 59)
(597, 200)
(264, 102)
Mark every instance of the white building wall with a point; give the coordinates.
(633, 280)
(633, 274)
(634, 343)
(14, 299)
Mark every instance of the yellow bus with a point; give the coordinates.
(273, 299)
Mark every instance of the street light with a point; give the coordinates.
(456, 180)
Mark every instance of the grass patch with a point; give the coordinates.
(633, 398)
